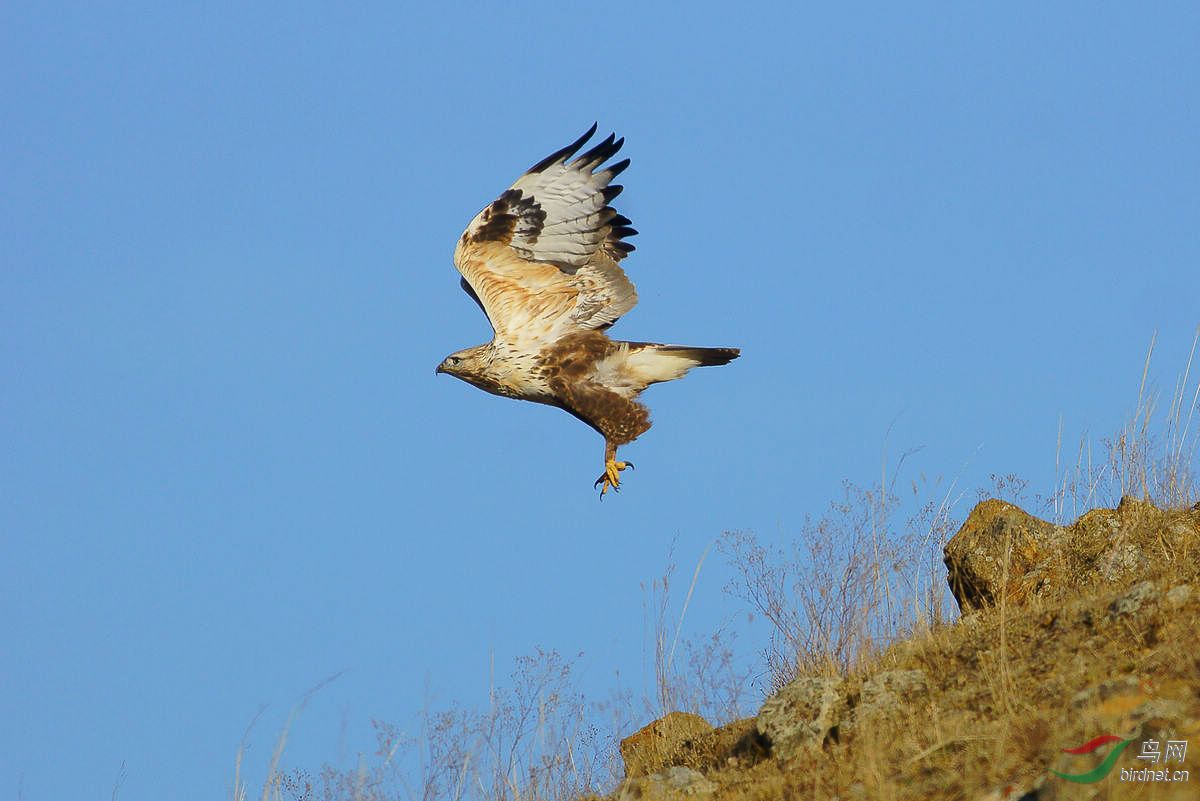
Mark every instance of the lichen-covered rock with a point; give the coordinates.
(671, 784)
(1132, 601)
(994, 551)
(1178, 596)
(801, 715)
(887, 697)
(1121, 561)
(1004, 552)
(894, 687)
(734, 743)
(670, 740)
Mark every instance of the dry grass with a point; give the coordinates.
(691, 674)
(1152, 456)
(534, 740)
(852, 581)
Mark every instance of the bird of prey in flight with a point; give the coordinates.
(543, 263)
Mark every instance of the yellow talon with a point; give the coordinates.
(611, 477)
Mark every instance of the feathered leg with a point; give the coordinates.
(611, 477)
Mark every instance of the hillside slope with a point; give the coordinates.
(1067, 633)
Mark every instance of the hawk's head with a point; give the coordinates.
(483, 367)
(466, 364)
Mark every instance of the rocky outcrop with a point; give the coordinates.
(813, 710)
(994, 551)
(1003, 552)
(681, 739)
(671, 740)
(668, 785)
(886, 696)
(801, 715)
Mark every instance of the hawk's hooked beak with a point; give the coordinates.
(438, 370)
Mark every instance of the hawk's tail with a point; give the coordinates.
(648, 363)
(703, 357)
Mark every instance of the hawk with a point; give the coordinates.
(543, 263)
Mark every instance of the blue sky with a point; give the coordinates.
(225, 232)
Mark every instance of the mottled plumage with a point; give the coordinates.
(542, 261)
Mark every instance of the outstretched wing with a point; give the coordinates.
(542, 259)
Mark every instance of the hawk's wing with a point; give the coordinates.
(542, 259)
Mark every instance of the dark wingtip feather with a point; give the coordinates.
(565, 153)
(617, 169)
(616, 146)
(606, 148)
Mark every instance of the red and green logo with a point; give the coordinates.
(1100, 771)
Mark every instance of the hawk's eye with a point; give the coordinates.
(455, 360)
